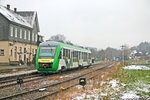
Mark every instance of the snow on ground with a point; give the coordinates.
(71, 75)
(113, 88)
(136, 67)
(130, 95)
(79, 87)
(114, 83)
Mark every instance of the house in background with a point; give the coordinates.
(18, 35)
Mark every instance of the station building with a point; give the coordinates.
(19, 36)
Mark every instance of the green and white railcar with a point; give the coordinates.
(56, 56)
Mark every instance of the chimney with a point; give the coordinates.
(15, 10)
(8, 7)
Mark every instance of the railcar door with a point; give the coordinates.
(71, 65)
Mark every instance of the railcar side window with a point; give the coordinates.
(85, 56)
(75, 55)
(68, 54)
(60, 54)
(63, 52)
(79, 55)
(82, 55)
(89, 56)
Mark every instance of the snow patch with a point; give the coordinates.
(79, 87)
(130, 95)
(143, 90)
(102, 76)
(136, 67)
(71, 75)
(102, 83)
(114, 83)
(103, 94)
(80, 97)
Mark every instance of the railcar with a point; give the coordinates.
(55, 56)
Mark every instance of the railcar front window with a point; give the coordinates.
(47, 52)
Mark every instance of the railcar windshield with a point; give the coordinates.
(47, 52)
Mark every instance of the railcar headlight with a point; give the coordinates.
(43, 65)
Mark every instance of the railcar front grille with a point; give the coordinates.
(45, 65)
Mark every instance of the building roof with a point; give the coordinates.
(30, 17)
(13, 17)
(25, 18)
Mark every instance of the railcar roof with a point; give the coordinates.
(48, 43)
(54, 43)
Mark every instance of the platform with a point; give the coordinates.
(14, 71)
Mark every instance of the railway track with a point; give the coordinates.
(12, 82)
(27, 78)
(54, 87)
(3, 81)
(74, 82)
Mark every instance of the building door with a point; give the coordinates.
(25, 55)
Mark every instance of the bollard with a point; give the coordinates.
(19, 82)
(82, 81)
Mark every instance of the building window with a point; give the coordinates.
(28, 35)
(33, 51)
(11, 31)
(1, 52)
(15, 53)
(20, 49)
(25, 50)
(36, 37)
(15, 32)
(20, 52)
(20, 33)
(32, 36)
(25, 35)
(11, 52)
(25, 55)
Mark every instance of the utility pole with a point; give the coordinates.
(122, 47)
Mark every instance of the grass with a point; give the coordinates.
(135, 80)
(139, 75)
(148, 66)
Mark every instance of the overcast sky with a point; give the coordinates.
(95, 23)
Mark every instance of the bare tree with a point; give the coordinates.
(58, 37)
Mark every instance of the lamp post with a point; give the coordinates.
(122, 47)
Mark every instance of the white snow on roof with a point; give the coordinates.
(136, 67)
(14, 17)
(30, 18)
